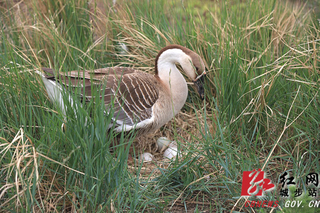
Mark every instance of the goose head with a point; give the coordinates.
(190, 62)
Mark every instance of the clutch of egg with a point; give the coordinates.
(171, 150)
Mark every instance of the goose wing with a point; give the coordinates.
(129, 93)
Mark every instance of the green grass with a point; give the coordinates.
(261, 108)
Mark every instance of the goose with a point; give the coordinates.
(141, 101)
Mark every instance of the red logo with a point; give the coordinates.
(255, 183)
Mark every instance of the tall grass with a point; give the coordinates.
(261, 108)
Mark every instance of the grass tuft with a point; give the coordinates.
(261, 108)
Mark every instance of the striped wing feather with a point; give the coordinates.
(134, 92)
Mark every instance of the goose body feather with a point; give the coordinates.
(138, 100)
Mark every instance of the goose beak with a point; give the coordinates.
(199, 83)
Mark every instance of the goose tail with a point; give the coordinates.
(54, 90)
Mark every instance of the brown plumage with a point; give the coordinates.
(142, 101)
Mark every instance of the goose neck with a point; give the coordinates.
(173, 80)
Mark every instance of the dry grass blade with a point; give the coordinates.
(82, 173)
(22, 175)
(22, 168)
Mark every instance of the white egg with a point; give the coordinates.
(163, 142)
(146, 157)
(172, 151)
